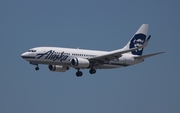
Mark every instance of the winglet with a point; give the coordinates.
(146, 42)
(148, 37)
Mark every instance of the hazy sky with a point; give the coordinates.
(149, 87)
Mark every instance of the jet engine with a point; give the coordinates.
(58, 68)
(80, 63)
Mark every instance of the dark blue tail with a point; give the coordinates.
(136, 41)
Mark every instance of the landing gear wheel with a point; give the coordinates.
(92, 71)
(37, 68)
(79, 73)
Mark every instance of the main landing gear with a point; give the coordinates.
(91, 71)
(79, 73)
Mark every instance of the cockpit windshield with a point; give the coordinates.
(31, 50)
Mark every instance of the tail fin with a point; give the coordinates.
(137, 40)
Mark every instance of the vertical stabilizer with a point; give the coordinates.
(137, 40)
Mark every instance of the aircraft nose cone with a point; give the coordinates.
(27, 55)
(22, 55)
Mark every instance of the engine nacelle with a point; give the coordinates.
(58, 68)
(80, 62)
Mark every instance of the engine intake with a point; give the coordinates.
(58, 68)
(80, 62)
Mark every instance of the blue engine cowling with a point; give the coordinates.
(58, 68)
(80, 62)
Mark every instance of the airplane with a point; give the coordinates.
(61, 59)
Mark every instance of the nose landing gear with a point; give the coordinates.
(37, 68)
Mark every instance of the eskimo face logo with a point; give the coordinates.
(137, 43)
(138, 40)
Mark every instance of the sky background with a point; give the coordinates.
(148, 87)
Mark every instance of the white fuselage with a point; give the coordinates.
(61, 59)
(63, 56)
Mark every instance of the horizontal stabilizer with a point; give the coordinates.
(117, 53)
(148, 55)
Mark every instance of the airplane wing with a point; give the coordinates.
(116, 54)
